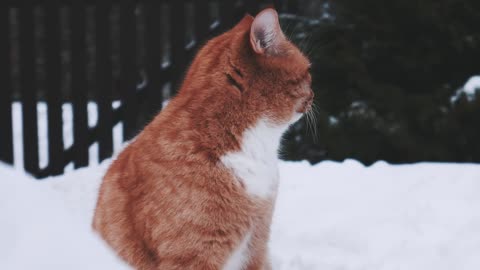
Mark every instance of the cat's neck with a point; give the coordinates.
(262, 140)
(255, 163)
(200, 130)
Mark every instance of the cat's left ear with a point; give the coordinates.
(266, 36)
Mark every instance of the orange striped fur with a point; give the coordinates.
(178, 196)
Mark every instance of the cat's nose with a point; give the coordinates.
(306, 102)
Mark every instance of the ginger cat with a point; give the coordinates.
(196, 188)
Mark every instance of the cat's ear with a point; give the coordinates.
(244, 24)
(266, 35)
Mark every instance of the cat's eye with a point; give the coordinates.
(238, 72)
(233, 82)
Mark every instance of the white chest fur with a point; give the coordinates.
(256, 164)
(239, 258)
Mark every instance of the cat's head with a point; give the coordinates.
(258, 71)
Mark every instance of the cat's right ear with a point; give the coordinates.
(266, 35)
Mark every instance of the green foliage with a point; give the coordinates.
(385, 73)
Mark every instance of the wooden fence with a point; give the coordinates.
(78, 51)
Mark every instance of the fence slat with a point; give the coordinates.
(53, 89)
(128, 68)
(292, 6)
(177, 40)
(103, 78)
(79, 84)
(202, 22)
(28, 89)
(226, 15)
(6, 140)
(252, 7)
(153, 39)
(278, 5)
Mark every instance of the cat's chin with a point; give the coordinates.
(296, 117)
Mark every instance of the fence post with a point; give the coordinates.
(53, 85)
(202, 23)
(128, 68)
(6, 140)
(292, 6)
(278, 5)
(226, 15)
(28, 88)
(79, 83)
(177, 41)
(153, 46)
(104, 80)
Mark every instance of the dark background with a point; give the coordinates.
(384, 73)
(387, 76)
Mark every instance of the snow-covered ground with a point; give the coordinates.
(328, 216)
(347, 216)
(332, 216)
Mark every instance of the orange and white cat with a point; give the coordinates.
(197, 187)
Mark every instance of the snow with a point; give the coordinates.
(341, 216)
(346, 216)
(46, 225)
(329, 216)
(469, 89)
(472, 85)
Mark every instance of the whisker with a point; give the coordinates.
(308, 43)
(288, 31)
(308, 120)
(319, 45)
(307, 124)
(314, 125)
(314, 112)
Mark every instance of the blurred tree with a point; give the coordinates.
(384, 74)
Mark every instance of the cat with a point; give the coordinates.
(196, 188)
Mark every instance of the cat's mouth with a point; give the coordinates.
(306, 104)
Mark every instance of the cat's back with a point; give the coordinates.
(165, 167)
